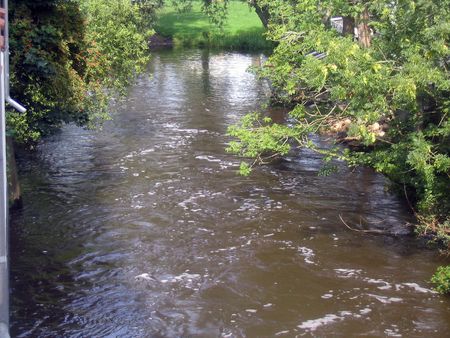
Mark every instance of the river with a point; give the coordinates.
(144, 229)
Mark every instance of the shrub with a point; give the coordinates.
(68, 57)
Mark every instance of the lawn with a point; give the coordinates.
(242, 31)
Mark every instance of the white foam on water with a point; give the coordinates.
(385, 286)
(393, 332)
(193, 131)
(416, 287)
(147, 151)
(365, 311)
(384, 299)
(144, 276)
(186, 277)
(208, 158)
(231, 248)
(328, 319)
(307, 253)
(282, 332)
(248, 206)
(314, 324)
(348, 273)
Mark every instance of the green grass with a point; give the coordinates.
(242, 31)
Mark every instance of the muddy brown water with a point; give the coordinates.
(144, 229)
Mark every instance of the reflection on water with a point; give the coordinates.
(144, 229)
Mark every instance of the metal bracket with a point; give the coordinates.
(15, 105)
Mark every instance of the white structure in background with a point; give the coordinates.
(337, 23)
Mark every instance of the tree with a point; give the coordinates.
(67, 57)
(261, 10)
(388, 92)
(217, 9)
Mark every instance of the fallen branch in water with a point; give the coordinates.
(370, 231)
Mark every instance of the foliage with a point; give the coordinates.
(42, 77)
(189, 25)
(390, 92)
(258, 137)
(67, 57)
(117, 37)
(441, 279)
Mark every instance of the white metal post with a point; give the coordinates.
(4, 198)
(4, 231)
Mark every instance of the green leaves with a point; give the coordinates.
(442, 163)
(441, 279)
(258, 138)
(121, 41)
(394, 94)
(245, 169)
(68, 57)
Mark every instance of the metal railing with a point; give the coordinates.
(4, 204)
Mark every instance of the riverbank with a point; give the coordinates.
(242, 30)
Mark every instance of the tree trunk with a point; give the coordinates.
(15, 198)
(363, 29)
(262, 11)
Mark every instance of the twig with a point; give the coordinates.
(373, 231)
(408, 201)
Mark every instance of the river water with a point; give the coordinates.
(144, 229)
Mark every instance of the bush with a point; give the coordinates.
(68, 57)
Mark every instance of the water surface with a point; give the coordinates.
(144, 229)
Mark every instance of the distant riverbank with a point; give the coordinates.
(242, 31)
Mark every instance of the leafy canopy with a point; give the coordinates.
(69, 57)
(387, 89)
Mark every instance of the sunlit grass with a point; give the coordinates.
(242, 31)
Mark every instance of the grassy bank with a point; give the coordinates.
(242, 31)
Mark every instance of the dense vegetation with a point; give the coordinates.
(193, 27)
(68, 57)
(386, 91)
